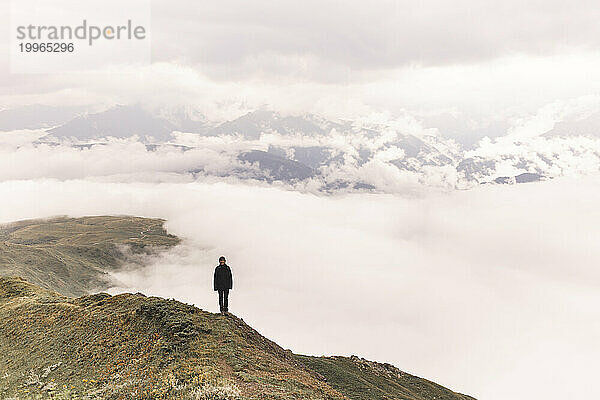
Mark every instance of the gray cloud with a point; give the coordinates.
(484, 61)
(334, 39)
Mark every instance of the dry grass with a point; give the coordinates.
(136, 347)
(73, 255)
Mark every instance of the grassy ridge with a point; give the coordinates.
(73, 255)
(361, 379)
(136, 347)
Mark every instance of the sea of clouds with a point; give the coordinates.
(491, 291)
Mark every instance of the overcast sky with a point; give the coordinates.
(474, 60)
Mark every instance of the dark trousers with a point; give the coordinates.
(223, 299)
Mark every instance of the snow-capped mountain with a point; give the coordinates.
(118, 122)
(37, 117)
(329, 155)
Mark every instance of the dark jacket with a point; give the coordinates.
(223, 279)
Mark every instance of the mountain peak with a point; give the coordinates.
(119, 121)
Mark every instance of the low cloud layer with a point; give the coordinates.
(492, 291)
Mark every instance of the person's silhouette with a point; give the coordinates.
(223, 282)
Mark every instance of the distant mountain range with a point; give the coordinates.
(119, 121)
(346, 154)
(37, 117)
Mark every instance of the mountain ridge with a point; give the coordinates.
(132, 346)
(102, 346)
(78, 254)
(357, 153)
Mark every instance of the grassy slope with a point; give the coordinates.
(135, 347)
(72, 255)
(360, 379)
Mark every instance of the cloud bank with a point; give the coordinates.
(492, 291)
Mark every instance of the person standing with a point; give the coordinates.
(223, 283)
